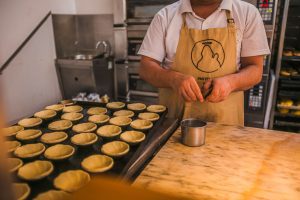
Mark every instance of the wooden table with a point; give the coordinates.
(235, 163)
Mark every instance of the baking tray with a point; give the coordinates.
(121, 165)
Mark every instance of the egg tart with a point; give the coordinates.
(21, 190)
(45, 114)
(133, 137)
(55, 107)
(53, 195)
(141, 124)
(12, 130)
(84, 139)
(99, 119)
(109, 131)
(97, 163)
(70, 109)
(136, 106)
(149, 116)
(296, 112)
(14, 164)
(30, 122)
(54, 137)
(59, 152)
(124, 113)
(12, 145)
(73, 116)
(72, 180)
(35, 170)
(28, 134)
(30, 150)
(115, 148)
(84, 127)
(68, 102)
(156, 108)
(120, 121)
(115, 105)
(96, 111)
(60, 125)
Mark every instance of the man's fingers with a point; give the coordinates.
(214, 96)
(197, 91)
(185, 96)
(190, 92)
(207, 84)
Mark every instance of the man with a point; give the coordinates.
(193, 46)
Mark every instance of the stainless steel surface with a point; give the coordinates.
(106, 48)
(78, 34)
(122, 80)
(119, 10)
(193, 132)
(85, 76)
(279, 58)
(270, 100)
(120, 37)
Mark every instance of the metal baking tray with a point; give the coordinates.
(128, 166)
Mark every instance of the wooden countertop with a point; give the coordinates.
(235, 163)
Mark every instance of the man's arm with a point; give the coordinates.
(185, 86)
(249, 75)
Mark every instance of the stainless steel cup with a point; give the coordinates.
(193, 132)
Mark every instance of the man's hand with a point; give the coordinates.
(186, 87)
(222, 87)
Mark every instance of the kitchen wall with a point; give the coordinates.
(30, 82)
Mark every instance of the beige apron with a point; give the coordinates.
(206, 54)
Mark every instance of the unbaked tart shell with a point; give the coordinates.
(97, 163)
(96, 111)
(109, 131)
(72, 180)
(30, 122)
(54, 137)
(35, 170)
(84, 139)
(99, 119)
(115, 148)
(84, 127)
(60, 125)
(59, 152)
(30, 150)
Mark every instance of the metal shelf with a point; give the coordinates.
(291, 58)
(289, 124)
(278, 114)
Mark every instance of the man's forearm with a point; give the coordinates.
(154, 74)
(246, 78)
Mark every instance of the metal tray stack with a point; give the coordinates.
(122, 166)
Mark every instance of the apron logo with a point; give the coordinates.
(208, 55)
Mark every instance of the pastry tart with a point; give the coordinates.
(99, 119)
(133, 137)
(14, 164)
(28, 134)
(97, 163)
(109, 131)
(84, 139)
(141, 124)
(45, 114)
(35, 170)
(68, 102)
(124, 113)
(136, 106)
(73, 116)
(55, 107)
(115, 148)
(53, 195)
(96, 111)
(12, 130)
(115, 105)
(149, 116)
(287, 52)
(156, 108)
(21, 190)
(59, 152)
(54, 137)
(296, 53)
(12, 145)
(60, 125)
(84, 127)
(30, 150)
(120, 121)
(70, 109)
(72, 180)
(30, 122)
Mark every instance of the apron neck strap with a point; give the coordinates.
(230, 20)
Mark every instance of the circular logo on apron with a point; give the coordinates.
(208, 55)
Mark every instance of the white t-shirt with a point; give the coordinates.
(161, 40)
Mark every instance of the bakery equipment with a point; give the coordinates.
(287, 84)
(193, 132)
(127, 167)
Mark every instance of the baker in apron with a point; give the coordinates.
(206, 55)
